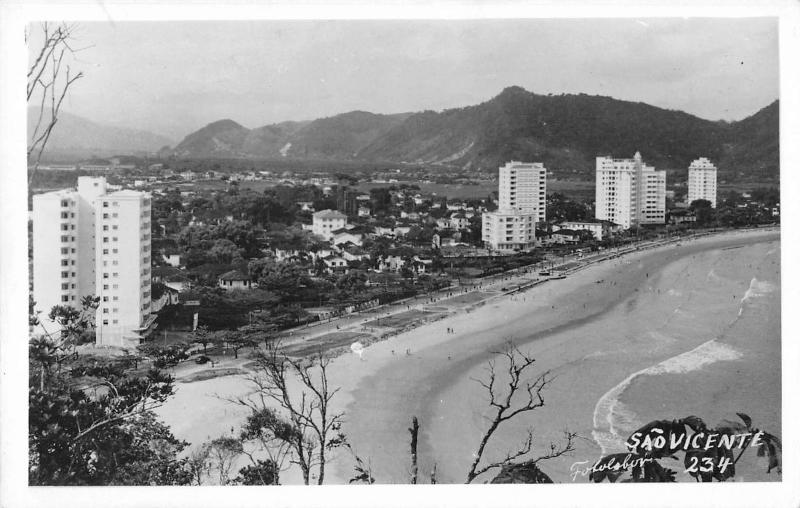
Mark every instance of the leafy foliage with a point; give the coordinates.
(263, 472)
(710, 461)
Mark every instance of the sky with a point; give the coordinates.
(172, 78)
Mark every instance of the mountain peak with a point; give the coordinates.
(564, 131)
(513, 91)
(224, 124)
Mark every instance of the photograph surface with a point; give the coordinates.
(342, 252)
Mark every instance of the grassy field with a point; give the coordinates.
(471, 297)
(324, 343)
(398, 320)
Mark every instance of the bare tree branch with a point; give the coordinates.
(506, 405)
(315, 429)
(45, 77)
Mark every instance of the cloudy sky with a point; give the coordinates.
(174, 77)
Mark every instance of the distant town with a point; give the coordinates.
(166, 251)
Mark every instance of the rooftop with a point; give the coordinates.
(234, 275)
(126, 193)
(329, 214)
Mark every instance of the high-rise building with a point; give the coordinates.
(346, 201)
(522, 188)
(122, 282)
(88, 242)
(702, 181)
(628, 192)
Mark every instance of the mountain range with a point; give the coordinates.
(77, 136)
(566, 132)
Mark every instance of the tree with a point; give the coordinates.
(263, 472)
(237, 340)
(381, 199)
(203, 336)
(49, 79)
(222, 452)
(561, 208)
(307, 425)
(225, 251)
(273, 436)
(164, 357)
(90, 422)
(47, 351)
(703, 212)
(502, 402)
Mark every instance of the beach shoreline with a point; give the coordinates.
(409, 373)
(450, 358)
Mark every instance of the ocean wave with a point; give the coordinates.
(611, 413)
(758, 288)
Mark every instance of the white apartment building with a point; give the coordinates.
(522, 188)
(325, 222)
(702, 181)
(87, 241)
(122, 247)
(509, 231)
(597, 229)
(628, 192)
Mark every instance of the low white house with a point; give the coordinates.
(393, 263)
(173, 260)
(599, 229)
(177, 282)
(334, 263)
(354, 253)
(563, 236)
(459, 221)
(343, 236)
(235, 280)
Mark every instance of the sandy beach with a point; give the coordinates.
(661, 333)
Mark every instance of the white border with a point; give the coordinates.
(14, 15)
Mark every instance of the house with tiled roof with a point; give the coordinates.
(235, 280)
(343, 236)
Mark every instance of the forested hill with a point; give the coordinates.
(566, 132)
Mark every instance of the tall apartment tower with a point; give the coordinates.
(122, 247)
(522, 188)
(78, 240)
(702, 181)
(628, 192)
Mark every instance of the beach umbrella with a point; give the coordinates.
(357, 348)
